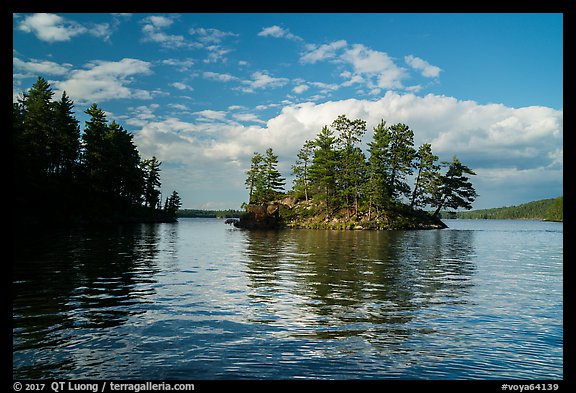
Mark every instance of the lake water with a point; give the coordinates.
(201, 300)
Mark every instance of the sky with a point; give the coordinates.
(202, 92)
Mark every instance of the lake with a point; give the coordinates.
(199, 299)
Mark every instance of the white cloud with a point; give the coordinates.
(54, 28)
(278, 32)
(494, 140)
(218, 77)
(105, 80)
(247, 117)
(300, 89)
(183, 65)
(210, 36)
(426, 68)
(36, 67)
(210, 39)
(181, 86)
(153, 31)
(375, 64)
(262, 80)
(51, 27)
(211, 115)
(324, 52)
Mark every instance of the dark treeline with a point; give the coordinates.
(545, 209)
(337, 179)
(198, 213)
(62, 174)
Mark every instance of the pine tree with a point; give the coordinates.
(36, 130)
(301, 170)
(379, 194)
(273, 180)
(454, 189)
(255, 181)
(152, 182)
(65, 141)
(172, 204)
(428, 172)
(324, 169)
(352, 171)
(94, 150)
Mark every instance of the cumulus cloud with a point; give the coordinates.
(218, 76)
(54, 28)
(181, 86)
(35, 67)
(371, 70)
(262, 80)
(315, 53)
(494, 140)
(278, 32)
(426, 69)
(105, 80)
(153, 31)
(300, 89)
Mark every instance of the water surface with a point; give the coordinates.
(200, 300)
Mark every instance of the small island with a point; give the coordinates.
(337, 187)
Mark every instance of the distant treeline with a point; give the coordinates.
(545, 209)
(65, 174)
(197, 213)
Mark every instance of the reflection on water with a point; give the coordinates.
(85, 280)
(350, 283)
(199, 300)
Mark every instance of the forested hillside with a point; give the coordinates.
(63, 173)
(545, 209)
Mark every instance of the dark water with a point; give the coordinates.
(200, 300)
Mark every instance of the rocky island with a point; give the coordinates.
(291, 213)
(336, 186)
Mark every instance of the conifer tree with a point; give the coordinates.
(301, 170)
(454, 189)
(427, 173)
(324, 169)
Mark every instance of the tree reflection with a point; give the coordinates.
(358, 283)
(67, 281)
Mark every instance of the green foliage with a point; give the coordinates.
(454, 189)
(324, 169)
(198, 213)
(341, 188)
(96, 175)
(264, 181)
(545, 209)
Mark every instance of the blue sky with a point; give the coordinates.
(202, 92)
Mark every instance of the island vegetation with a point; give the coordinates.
(336, 186)
(199, 213)
(68, 175)
(545, 209)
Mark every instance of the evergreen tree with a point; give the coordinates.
(301, 170)
(36, 130)
(352, 171)
(324, 169)
(428, 172)
(379, 194)
(125, 174)
(172, 204)
(255, 180)
(454, 189)
(273, 180)
(95, 148)
(151, 169)
(400, 155)
(65, 141)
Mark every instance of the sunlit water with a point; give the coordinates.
(200, 300)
